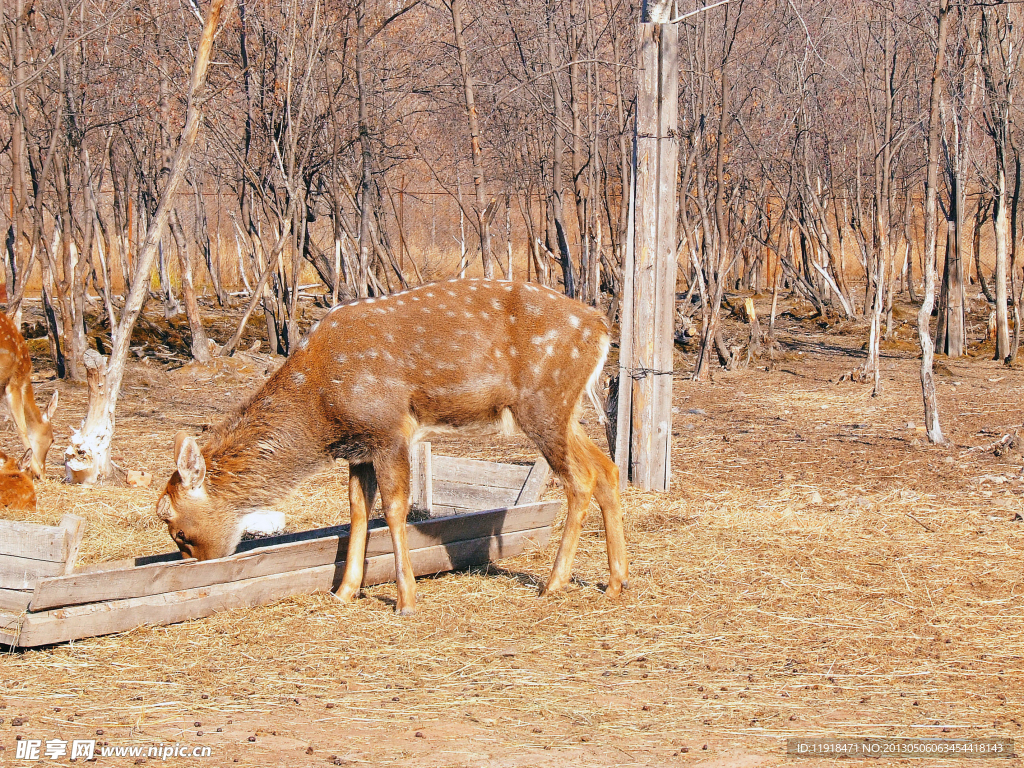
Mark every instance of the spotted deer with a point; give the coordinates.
(376, 375)
(16, 488)
(16, 378)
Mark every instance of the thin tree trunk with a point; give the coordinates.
(483, 219)
(87, 458)
(931, 404)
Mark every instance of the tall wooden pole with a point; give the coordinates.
(648, 307)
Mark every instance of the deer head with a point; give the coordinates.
(41, 438)
(201, 526)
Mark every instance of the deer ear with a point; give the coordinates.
(190, 461)
(25, 462)
(52, 407)
(164, 510)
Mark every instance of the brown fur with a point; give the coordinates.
(16, 379)
(377, 374)
(16, 488)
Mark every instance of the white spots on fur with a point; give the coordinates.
(449, 313)
(574, 321)
(531, 288)
(586, 333)
(369, 301)
(469, 315)
(372, 354)
(299, 377)
(497, 354)
(419, 329)
(512, 351)
(536, 370)
(495, 303)
(546, 339)
(549, 350)
(511, 319)
(334, 323)
(473, 288)
(575, 354)
(508, 287)
(415, 298)
(401, 303)
(341, 357)
(430, 294)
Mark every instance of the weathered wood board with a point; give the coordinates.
(125, 596)
(43, 602)
(277, 554)
(29, 552)
(101, 618)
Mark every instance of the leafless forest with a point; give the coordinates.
(357, 148)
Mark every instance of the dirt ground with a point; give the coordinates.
(818, 569)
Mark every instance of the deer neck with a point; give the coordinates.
(255, 458)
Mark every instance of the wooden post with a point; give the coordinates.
(648, 306)
(421, 496)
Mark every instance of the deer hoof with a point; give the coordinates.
(406, 611)
(346, 595)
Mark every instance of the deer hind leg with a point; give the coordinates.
(393, 476)
(586, 472)
(566, 454)
(362, 491)
(606, 493)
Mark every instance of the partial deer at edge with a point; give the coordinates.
(375, 376)
(16, 378)
(17, 491)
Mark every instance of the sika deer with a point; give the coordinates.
(16, 488)
(376, 375)
(16, 379)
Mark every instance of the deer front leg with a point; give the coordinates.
(362, 491)
(393, 477)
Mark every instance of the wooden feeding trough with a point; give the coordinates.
(487, 511)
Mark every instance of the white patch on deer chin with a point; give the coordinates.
(262, 521)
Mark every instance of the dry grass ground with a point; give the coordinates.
(817, 569)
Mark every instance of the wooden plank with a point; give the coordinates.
(474, 472)
(37, 542)
(10, 627)
(295, 554)
(476, 497)
(535, 484)
(420, 481)
(24, 572)
(131, 562)
(14, 599)
(64, 624)
(457, 525)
